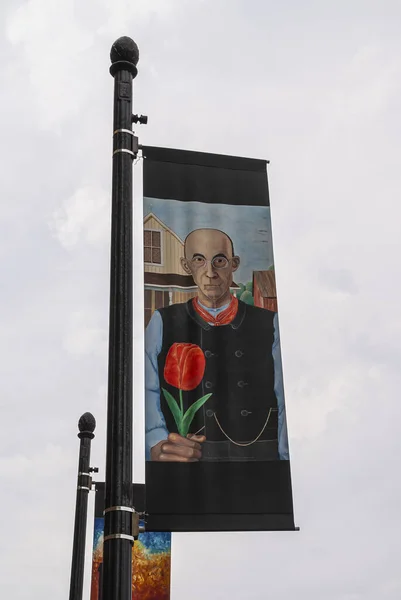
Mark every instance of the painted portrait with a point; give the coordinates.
(213, 372)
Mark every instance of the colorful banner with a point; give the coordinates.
(216, 434)
(151, 559)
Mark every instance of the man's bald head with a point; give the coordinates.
(204, 234)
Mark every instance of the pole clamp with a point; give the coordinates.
(87, 482)
(112, 508)
(136, 528)
(133, 144)
(119, 536)
(123, 131)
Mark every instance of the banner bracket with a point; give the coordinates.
(132, 142)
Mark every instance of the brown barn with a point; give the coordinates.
(264, 290)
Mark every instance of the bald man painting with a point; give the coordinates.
(243, 418)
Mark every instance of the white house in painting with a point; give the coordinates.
(165, 280)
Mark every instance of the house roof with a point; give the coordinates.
(173, 280)
(266, 283)
(163, 225)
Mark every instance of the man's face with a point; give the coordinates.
(209, 259)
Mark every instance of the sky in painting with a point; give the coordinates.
(315, 88)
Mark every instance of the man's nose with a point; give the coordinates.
(210, 272)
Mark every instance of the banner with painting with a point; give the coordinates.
(151, 556)
(215, 422)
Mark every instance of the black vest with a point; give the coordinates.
(239, 373)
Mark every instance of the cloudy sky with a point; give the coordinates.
(314, 87)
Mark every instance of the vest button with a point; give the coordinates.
(245, 413)
(209, 413)
(239, 353)
(241, 384)
(208, 385)
(208, 354)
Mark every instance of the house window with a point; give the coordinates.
(152, 244)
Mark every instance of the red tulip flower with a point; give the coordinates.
(185, 366)
(184, 369)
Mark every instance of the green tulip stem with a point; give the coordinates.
(181, 404)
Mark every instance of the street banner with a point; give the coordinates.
(216, 441)
(151, 555)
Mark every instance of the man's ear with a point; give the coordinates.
(235, 261)
(185, 265)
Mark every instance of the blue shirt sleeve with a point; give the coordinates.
(279, 390)
(155, 425)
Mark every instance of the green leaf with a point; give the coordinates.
(175, 410)
(189, 415)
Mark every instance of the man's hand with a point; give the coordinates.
(178, 449)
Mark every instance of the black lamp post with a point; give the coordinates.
(118, 528)
(86, 426)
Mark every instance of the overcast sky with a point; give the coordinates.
(313, 86)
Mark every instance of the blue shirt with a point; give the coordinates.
(155, 425)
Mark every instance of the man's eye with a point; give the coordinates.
(220, 262)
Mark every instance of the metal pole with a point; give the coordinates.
(86, 426)
(118, 533)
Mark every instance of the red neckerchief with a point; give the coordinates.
(223, 318)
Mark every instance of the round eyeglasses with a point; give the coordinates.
(218, 262)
